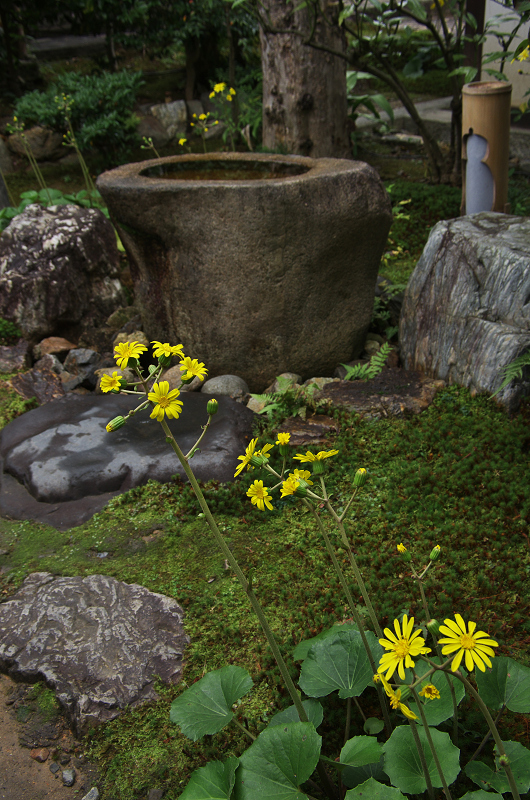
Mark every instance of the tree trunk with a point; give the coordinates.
(304, 89)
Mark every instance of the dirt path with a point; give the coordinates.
(21, 777)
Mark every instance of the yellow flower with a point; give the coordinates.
(376, 678)
(403, 646)
(165, 401)
(110, 383)
(229, 98)
(474, 645)
(302, 474)
(259, 496)
(430, 692)
(283, 438)
(203, 116)
(401, 548)
(289, 486)
(231, 91)
(167, 350)
(126, 350)
(219, 87)
(212, 94)
(309, 457)
(395, 700)
(182, 141)
(523, 55)
(264, 450)
(245, 460)
(192, 369)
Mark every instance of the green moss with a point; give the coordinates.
(455, 475)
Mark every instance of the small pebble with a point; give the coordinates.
(93, 794)
(54, 767)
(40, 754)
(68, 777)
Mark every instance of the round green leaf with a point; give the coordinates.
(313, 709)
(340, 663)
(403, 765)
(373, 726)
(280, 760)
(206, 707)
(361, 750)
(215, 781)
(506, 683)
(437, 711)
(480, 794)
(373, 790)
(302, 649)
(485, 777)
(353, 776)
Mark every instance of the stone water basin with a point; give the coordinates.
(259, 264)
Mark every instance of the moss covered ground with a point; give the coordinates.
(456, 475)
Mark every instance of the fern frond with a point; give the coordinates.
(357, 372)
(514, 370)
(378, 359)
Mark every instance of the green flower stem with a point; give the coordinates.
(348, 720)
(35, 167)
(86, 174)
(353, 609)
(454, 735)
(199, 440)
(431, 744)
(350, 501)
(353, 562)
(219, 538)
(421, 755)
(242, 727)
(493, 728)
(487, 737)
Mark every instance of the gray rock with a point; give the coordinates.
(55, 345)
(283, 380)
(93, 794)
(194, 107)
(42, 384)
(466, 309)
(81, 363)
(14, 357)
(120, 317)
(152, 128)
(49, 362)
(45, 145)
(131, 336)
(61, 465)
(97, 642)
(173, 117)
(58, 266)
(54, 767)
(230, 385)
(155, 794)
(68, 777)
(235, 268)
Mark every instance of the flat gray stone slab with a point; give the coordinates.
(97, 642)
(60, 466)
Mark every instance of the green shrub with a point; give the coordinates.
(9, 333)
(101, 111)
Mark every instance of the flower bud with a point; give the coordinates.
(404, 553)
(318, 467)
(257, 460)
(212, 407)
(301, 489)
(123, 383)
(163, 360)
(435, 553)
(433, 626)
(116, 423)
(504, 761)
(361, 476)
